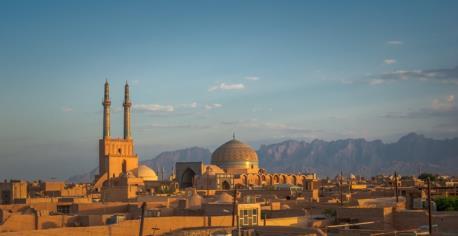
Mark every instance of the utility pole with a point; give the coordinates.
(396, 186)
(234, 206)
(162, 174)
(341, 189)
(350, 184)
(142, 219)
(429, 208)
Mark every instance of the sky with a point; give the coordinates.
(201, 70)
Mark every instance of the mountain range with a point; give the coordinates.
(410, 155)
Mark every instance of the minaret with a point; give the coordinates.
(127, 104)
(106, 111)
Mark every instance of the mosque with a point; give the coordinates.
(236, 165)
(120, 176)
(233, 165)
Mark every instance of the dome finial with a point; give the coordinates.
(233, 135)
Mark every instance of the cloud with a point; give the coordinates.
(226, 86)
(213, 106)
(153, 108)
(442, 107)
(389, 61)
(175, 126)
(66, 109)
(255, 124)
(190, 105)
(444, 104)
(394, 42)
(443, 75)
(195, 105)
(376, 82)
(252, 78)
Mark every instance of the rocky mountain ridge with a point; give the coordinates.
(410, 155)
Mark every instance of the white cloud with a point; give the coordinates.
(213, 106)
(389, 61)
(376, 81)
(443, 75)
(176, 126)
(154, 108)
(136, 81)
(190, 105)
(66, 109)
(225, 86)
(444, 104)
(441, 107)
(394, 42)
(252, 78)
(259, 125)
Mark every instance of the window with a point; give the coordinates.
(255, 216)
(248, 217)
(64, 209)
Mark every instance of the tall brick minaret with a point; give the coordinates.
(127, 104)
(116, 155)
(106, 111)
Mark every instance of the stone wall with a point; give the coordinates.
(412, 219)
(18, 222)
(131, 227)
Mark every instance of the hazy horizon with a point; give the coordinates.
(199, 71)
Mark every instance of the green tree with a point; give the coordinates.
(425, 176)
(447, 203)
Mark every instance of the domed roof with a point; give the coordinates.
(146, 173)
(212, 170)
(224, 198)
(233, 152)
(194, 201)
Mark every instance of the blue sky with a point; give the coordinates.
(200, 70)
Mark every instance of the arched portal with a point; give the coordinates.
(245, 180)
(301, 180)
(259, 181)
(187, 178)
(124, 166)
(226, 185)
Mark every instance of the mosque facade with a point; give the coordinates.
(236, 165)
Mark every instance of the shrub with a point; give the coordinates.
(447, 203)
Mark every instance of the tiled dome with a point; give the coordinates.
(235, 154)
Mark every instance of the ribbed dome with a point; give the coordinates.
(146, 173)
(235, 154)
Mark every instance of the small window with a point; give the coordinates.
(119, 150)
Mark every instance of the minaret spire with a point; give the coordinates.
(127, 104)
(106, 111)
